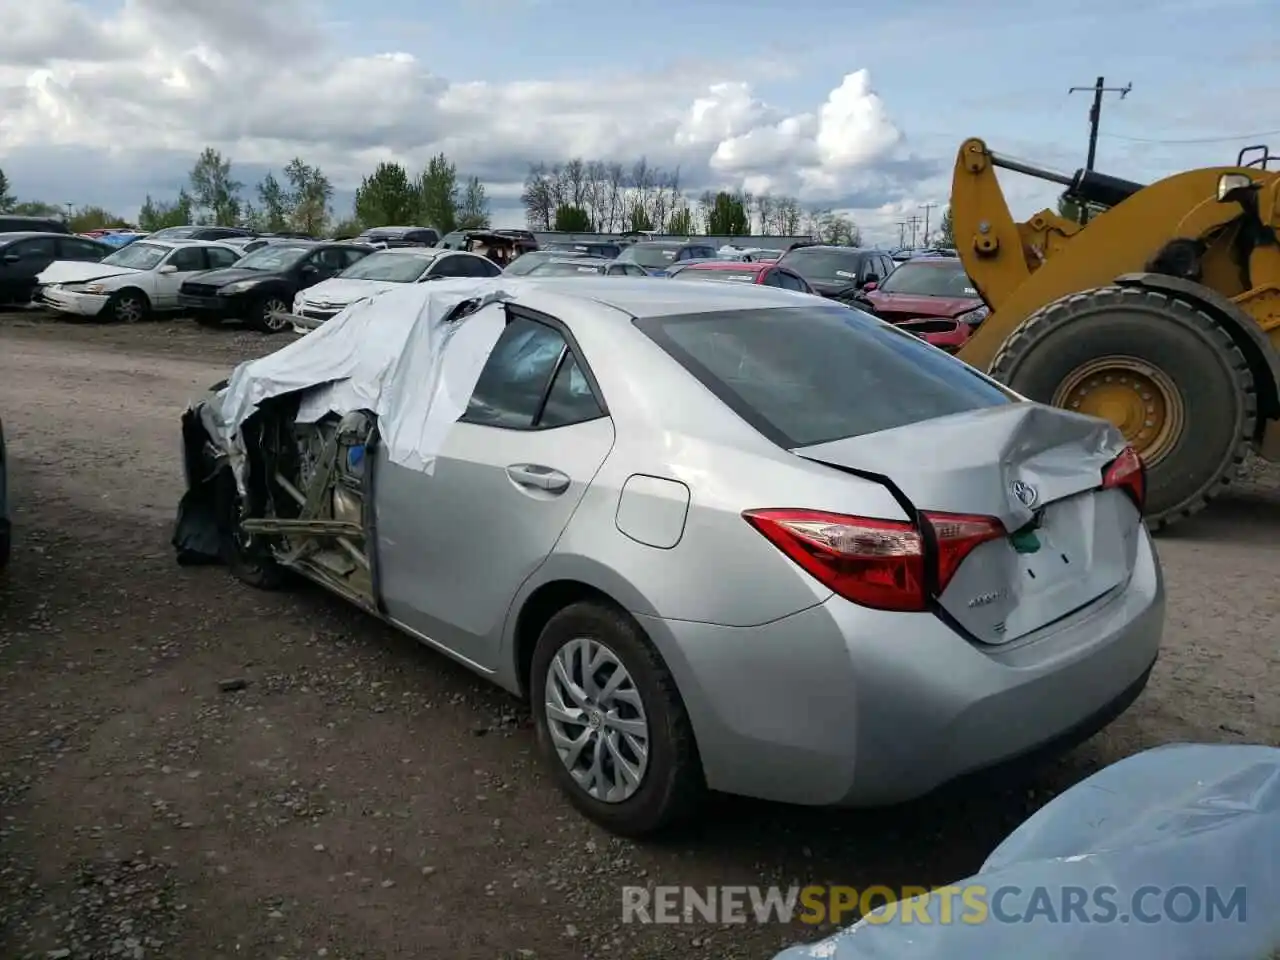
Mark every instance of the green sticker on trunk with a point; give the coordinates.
(1025, 541)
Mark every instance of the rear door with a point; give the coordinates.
(455, 546)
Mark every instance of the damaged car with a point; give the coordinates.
(721, 537)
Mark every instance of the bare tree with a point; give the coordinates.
(539, 204)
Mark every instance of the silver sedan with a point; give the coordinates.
(722, 538)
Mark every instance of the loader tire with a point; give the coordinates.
(1128, 333)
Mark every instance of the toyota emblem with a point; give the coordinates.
(1025, 492)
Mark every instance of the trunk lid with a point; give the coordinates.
(1035, 468)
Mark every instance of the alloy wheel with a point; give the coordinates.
(596, 720)
(129, 310)
(273, 311)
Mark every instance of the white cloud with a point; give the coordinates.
(257, 88)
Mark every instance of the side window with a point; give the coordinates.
(187, 259)
(792, 282)
(515, 377)
(773, 279)
(868, 269)
(634, 271)
(330, 260)
(484, 267)
(350, 257)
(220, 257)
(450, 267)
(38, 248)
(570, 400)
(73, 249)
(515, 380)
(886, 267)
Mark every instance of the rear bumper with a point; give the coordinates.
(838, 705)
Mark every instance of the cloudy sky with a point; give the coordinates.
(856, 106)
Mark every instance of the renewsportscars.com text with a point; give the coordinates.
(968, 904)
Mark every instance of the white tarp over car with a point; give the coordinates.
(1172, 854)
(394, 355)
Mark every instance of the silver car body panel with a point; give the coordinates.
(794, 693)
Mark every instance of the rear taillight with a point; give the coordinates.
(1127, 473)
(883, 564)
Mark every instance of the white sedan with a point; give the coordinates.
(132, 283)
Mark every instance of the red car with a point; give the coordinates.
(930, 296)
(763, 272)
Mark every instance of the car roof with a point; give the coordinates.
(730, 265)
(930, 260)
(647, 298)
(19, 234)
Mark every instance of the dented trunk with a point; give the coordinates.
(1038, 471)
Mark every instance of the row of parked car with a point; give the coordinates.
(215, 273)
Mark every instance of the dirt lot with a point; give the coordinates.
(361, 797)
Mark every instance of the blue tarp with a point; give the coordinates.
(1172, 854)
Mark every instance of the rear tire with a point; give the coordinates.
(248, 561)
(1183, 346)
(671, 787)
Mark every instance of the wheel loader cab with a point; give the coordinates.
(1162, 314)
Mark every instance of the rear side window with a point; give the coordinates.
(816, 373)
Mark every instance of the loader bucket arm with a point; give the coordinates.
(1013, 280)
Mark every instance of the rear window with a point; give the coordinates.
(816, 373)
(824, 266)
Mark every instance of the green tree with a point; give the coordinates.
(639, 218)
(727, 216)
(346, 229)
(93, 218)
(7, 199)
(156, 215)
(473, 212)
(215, 195)
(309, 194)
(681, 223)
(571, 219)
(387, 197)
(946, 235)
(37, 208)
(438, 195)
(273, 213)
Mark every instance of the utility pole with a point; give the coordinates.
(70, 206)
(926, 207)
(913, 222)
(1095, 118)
(902, 233)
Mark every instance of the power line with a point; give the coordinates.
(1239, 136)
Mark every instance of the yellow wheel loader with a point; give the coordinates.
(1161, 314)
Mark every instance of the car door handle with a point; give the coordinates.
(538, 477)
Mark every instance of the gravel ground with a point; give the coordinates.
(192, 769)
